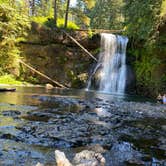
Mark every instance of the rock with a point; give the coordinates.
(61, 159)
(89, 158)
(135, 162)
(12, 113)
(96, 148)
(84, 158)
(163, 127)
(39, 164)
(49, 86)
(7, 89)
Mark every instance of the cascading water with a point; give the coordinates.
(111, 76)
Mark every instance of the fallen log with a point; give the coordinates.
(101, 30)
(43, 75)
(7, 89)
(75, 41)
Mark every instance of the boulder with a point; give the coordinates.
(84, 158)
(49, 86)
(88, 158)
(39, 164)
(61, 159)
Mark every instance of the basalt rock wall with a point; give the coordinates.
(52, 53)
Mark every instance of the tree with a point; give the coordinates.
(81, 10)
(55, 12)
(141, 18)
(109, 16)
(13, 26)
(32, 6)
(67, 12)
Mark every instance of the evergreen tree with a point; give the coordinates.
(109, 16)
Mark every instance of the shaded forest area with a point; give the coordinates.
(144, 22)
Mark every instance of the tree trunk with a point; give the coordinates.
(55, 12)
(67, 11)
(33, 7)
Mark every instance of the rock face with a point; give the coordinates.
(54, 54)
(130, 80)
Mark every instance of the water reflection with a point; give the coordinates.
(23, 95)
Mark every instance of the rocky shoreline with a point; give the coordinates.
(127, 132)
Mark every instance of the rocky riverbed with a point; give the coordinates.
(124, 132)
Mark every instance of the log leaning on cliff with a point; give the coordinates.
(75, 41)
(43, 75)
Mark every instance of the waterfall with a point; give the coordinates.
(111, 76)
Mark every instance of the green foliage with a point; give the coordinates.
(43, 8)
(146, 67)
(13, 28)
(51, 23)
(70, 25)
(40, 19)
(9, 79)
(90, 33)
(80, 12)
(163, 8)
(107, 14)
(32, 79)
(89, 3)
(141, 18)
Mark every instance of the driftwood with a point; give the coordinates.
(7, 89)
(101, 30)
(43, 75)
(75, 41)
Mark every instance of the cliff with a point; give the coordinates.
(51, 52)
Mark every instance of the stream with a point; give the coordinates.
(126, 130)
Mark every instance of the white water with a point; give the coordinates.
(112, 60)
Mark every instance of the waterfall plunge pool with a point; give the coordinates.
(35, 121)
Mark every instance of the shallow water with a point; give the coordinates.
(35, 121)
(23, 95)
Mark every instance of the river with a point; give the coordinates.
(35, 121)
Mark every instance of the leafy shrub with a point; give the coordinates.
(40, 19)
(49, 22)
(13, 28)
(70, 25)
(9, 79)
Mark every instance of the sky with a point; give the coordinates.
(73, 2)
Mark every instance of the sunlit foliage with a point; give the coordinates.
(47, 21)
(13, 28)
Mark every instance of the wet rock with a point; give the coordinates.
(94, 125)
(89, 158)
(134, 162)
(96, 148)
(61, 159)
(163, 127)
(37, 116)
(11, 113)
(39, 164)
(9, 136)
(84, 158)
(49, 86)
